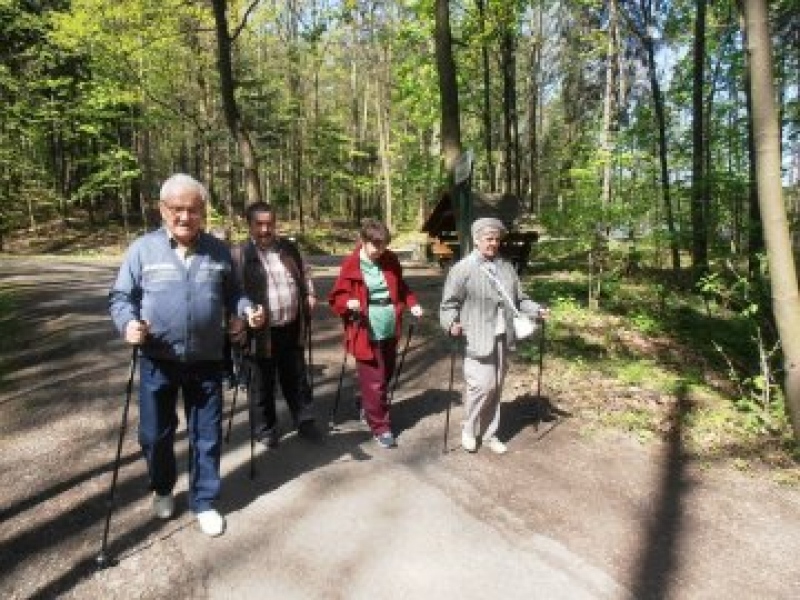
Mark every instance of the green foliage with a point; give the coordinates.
(637, 421)
(651, 359)
(759, 395)
(646, 323)
(568, 309)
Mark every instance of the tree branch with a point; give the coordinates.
(245, 17)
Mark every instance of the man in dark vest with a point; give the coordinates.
(275, 276)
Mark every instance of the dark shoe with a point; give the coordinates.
(386, 440)
(270, 438)
(308, 430)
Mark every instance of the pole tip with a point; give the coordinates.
(104, 561)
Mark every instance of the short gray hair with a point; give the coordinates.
(486, 223)
(180, 181)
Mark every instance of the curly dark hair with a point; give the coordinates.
(375, 231)
(257, 207)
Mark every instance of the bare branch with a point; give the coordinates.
(245, 17)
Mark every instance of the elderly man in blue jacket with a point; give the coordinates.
(171, 298)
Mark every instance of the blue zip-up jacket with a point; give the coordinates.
(186, 307)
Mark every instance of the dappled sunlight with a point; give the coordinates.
(581, 501)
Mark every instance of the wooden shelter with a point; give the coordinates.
(442, 227)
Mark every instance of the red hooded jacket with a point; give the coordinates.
(350, 284)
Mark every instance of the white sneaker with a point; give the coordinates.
(163, 506)
(211, 522)
(496, 445)
(469, 442)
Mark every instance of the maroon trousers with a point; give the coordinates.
(374, 377)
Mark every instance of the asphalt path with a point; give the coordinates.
(562, 515)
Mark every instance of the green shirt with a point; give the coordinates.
(381, 317)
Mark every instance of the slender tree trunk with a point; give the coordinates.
(299, 131)
(783, 273)
(315, 179)
(487, 100)
(609, 104)
(383, 116)
(233, 119)
(534, 112)
(646, 37)
(144, 158)
(658, 105)
(448, 87)
(699, 182)
(510, 129)
(533, 133)
(355, 139)
(755, 235)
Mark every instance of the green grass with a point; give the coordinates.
(660, 347)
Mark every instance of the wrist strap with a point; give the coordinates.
(502, 290)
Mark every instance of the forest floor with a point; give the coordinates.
(582, 506)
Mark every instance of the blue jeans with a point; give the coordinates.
(201, 384)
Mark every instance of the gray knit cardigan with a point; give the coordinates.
(472, 298)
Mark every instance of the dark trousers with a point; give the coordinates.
(373, 379)
(201, 387)
(288, 365)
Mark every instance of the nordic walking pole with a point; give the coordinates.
(409, 334)
(353, 317)
(237, 360)
(541, 362)
(453, 352)
(103, 560)
(335, 408)
(310, 365)
(250, 416)
(233, 410)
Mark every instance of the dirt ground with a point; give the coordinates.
(569, 512)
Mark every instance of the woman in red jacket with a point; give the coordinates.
(370, 296)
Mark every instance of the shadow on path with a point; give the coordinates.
(658, 558)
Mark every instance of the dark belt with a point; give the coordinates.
(380, 301)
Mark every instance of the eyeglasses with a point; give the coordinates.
(190, 211)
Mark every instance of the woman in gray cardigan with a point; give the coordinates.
(473, 306)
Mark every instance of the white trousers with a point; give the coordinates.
(484, 380)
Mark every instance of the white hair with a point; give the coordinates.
(479, 226)
(182, 182)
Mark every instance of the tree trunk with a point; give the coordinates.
(448, 87)
(383, 117)
(534, 112)
(755, 235)
(487, 100)
(510, 129)
(699, 184)
(783, 274)
(227, 84)
(609, 105)
(658, 105)
(355, 137)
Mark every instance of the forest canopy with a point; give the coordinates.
(561, 103)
